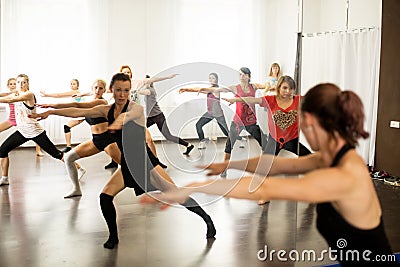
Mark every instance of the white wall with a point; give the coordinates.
(56, 41)
(365, 13)
(330, 15)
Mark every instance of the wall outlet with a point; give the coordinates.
(395, 124)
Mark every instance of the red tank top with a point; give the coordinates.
(245, 112)
(283, 124)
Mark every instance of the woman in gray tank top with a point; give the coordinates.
(156, 116)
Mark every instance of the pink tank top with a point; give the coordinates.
(11, 117)
(245, 112)
(214, 105)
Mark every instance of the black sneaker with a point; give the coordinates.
(66, 149)
(111, 165)
(188, 149)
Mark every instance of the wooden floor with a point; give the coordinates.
(40, 228)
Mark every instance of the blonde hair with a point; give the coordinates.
(9, 80)
(100, 81)
(25, 77)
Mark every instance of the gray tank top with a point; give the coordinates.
(152, 108)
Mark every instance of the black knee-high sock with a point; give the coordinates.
(110, 215)
(193, 206)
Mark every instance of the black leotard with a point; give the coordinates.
(337, 231)
(136, 158)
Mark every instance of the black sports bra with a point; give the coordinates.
(94, 121)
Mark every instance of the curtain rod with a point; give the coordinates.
(341, 32)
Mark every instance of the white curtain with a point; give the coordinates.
(53, 42)
(350, 60)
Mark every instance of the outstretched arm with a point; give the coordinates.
(311, 188)
(98, 111)
(5, 94)
(197, 90)
(89, 104)
(246, 99)
(59, 95)
(149, 81)
(259, 86)
(22, 96)
(159, 79)
(269, 165)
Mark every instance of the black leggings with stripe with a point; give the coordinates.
(17, 139)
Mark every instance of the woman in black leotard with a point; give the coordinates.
(335, 177)
(140, 169)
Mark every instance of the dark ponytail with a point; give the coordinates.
(119, 77)
(353, 114)
(337, 111)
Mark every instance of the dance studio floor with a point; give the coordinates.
(38, 227)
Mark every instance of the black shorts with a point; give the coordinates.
(103, 140)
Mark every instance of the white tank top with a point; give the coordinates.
(28, 127)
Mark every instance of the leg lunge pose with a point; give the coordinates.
(283, 117)
(27, 128)
(5, 125)
(214, 110)
(245, 117)
(101, 140)
(135, 164)
(156, 116)
(98, 115)
(140, 169)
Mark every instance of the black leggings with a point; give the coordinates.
(234, 131)
(17, 139)
(206, 118)
(163, 127)
(293, 146)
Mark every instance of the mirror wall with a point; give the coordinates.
(55, 41)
